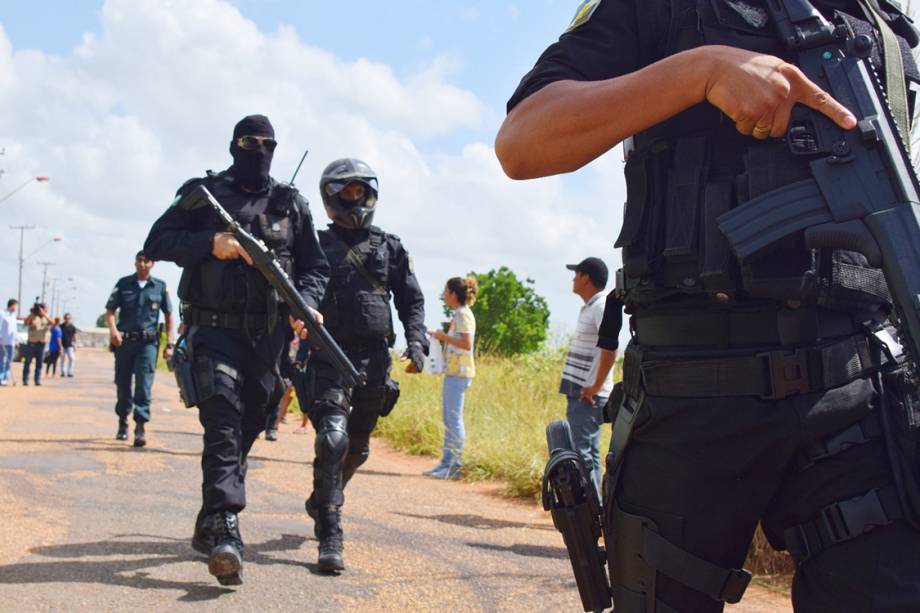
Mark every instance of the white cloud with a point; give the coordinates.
(150, 101)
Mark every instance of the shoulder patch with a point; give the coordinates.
(584, 12)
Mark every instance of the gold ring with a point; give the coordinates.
(762, 130)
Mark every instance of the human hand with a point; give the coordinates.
(588, 393)
(759, 91)
(226, 247)
(167, 353)
(416, 356)
(115, 338)
(300, 329)
(437, 335)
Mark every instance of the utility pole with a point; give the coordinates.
(44, 276)
(22, 230)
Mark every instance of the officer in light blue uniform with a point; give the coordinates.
(139, 300)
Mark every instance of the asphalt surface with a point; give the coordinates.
(92, 524)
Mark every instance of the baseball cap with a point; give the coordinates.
(594, 268)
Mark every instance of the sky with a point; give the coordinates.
(119, 102)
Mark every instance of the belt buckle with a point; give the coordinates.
(788, 373)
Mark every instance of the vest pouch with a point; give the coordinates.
(332, 318)
(222, 284)
(372, 315)
(642, 232)
(847, 281)
(278, 234)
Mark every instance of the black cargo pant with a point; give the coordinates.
(336, 407)
(236, 380)
(706, 470)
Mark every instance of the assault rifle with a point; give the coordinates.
(266, 263)
(863, 192)
(569, 495)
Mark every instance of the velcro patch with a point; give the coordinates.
(583, 14)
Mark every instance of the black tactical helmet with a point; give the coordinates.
(349, 213)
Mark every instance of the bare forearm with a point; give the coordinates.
(605, 364)
(465, 342)
(567, 124)
(110, 321)
(168, 318)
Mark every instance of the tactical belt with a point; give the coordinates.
(194, 316)
(771, 375)
(784, 327)
(139, 335)
(842, 521)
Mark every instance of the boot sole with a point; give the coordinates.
(227, 565)
(331, 564)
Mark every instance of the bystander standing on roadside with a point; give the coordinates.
(587, 374)
(39, 325)
(68, 344)
(54, 348)
(459, 295)
(7, 340)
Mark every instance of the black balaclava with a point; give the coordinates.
(251, 168)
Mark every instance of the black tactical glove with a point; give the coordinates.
(416, 353)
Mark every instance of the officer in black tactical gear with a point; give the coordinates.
(237, 327)
(751, 387)
(367, 266)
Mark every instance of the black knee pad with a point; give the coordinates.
(331, 438)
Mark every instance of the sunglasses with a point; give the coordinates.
(251, 143)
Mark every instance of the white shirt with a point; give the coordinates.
(8, 328)
(583, 359)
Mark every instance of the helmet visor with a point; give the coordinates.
(333, 188)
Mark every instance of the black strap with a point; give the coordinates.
(723, 584)
(786, 327)
(195, 316)
(843, 521)
(863, 431)
(355, 260)
(772, 375)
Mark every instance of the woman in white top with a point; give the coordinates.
(459, 295)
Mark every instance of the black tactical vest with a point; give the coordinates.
(356, 307)
(684, 173)
(232, 286)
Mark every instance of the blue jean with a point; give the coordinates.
(452, 395)
(137, 360)
(32, 351)
(585, 420)
(6, 358)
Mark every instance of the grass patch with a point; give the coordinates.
(506, 411)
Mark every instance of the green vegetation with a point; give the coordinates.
(507, 408)
(511, 318)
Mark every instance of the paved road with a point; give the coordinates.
(92, 524)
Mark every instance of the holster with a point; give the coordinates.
(181, 365)
(390, 397)
(569, 495)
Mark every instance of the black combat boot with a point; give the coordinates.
(139, 439)
(313, 512)
(122, 434)
(330, 539)
(218, 536)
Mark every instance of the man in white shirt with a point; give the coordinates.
(586, 376)
(7, 339)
